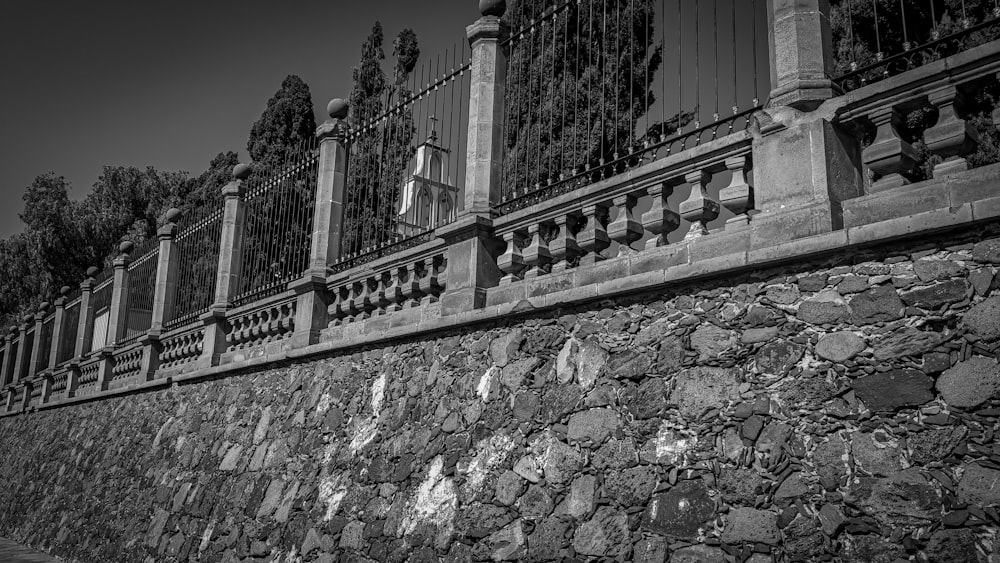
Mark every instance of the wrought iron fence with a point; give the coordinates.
(407, 158)
(875, 39)
(595, 87)
(141, 288)
(279, 218)
(45, 341)
(101, 299)
(198, 262)
(71, 324)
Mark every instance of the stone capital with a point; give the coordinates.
(234, 188)
(333, 129)
(487, 28)
(467, 226)
(122, 261)
(167, 232)
(312, 280)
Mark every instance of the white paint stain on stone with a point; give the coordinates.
(378, 394)
(323, 406)
(366, 430)
(671, 445)
(332, 490)
(487, 384)
(565, 362)
(490, 456)
(435, 503)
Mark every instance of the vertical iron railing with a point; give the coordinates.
(101, 299)
(407, 147)
(45, 340)
(875, 39)
(198, 262)
(141, 287)
(71, 322)
(594, 87)
(279, 216)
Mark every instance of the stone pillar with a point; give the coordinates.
(21, 363)
(58, 328)
(9, 358)
(472, 267)
(85, 328)
(800, 42)
(230, 264)
(312, 295)
(805, 166)
(164, 293)
(38, 352)
(119, 295)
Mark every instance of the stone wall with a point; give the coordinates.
(843, 410)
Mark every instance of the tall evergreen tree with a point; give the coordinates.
(286, 123)
(382, 150)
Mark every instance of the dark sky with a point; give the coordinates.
(171, 84)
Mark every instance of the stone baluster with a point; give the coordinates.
(381, 299)
(889, 156)
(564, 247)
(660, 220)
(737, 197)
(511, 262)
(338, 308)
(430, 284)
(951, 137)
(394, 293)
(593, 238)
(536, 255)
(625, 229)
(698, 209)
(358, 291)
(410, 286)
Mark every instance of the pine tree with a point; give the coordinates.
(381, 150)
(286, 123)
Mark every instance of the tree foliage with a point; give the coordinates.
(286, 123)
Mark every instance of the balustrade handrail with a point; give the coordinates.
(710, 156)
(979, 62)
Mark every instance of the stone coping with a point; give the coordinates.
(632, 273)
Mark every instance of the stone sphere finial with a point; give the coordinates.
(337, 108)
(125, 247)
(12, 330)
(43, 307)
(28, 318)
(64, 290)
(173, 214)
(241, 171)
(92, 271)
(492, 7)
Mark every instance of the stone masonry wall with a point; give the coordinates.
(843, 410)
